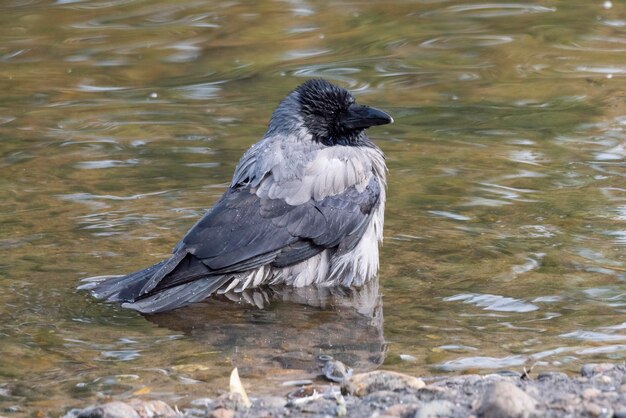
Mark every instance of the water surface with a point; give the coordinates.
(121, 121)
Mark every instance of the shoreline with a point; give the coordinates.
(599, 391)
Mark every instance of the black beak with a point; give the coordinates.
(362, 117)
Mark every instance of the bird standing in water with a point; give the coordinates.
(305, 207)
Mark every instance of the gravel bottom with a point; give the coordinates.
(599, 391)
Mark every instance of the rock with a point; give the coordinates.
(149, 409)
(204, 402)
(365, 383)
(552, 376)
(595, 410)
(387, 397)
(109, 410)
(592, 369)
(604, 379)
(436, 409)
(221, 413)
(232, 401)
(271, 402)
(401, 410)
(135, 408)
(591, 393)
(395, 395)
(503, 399)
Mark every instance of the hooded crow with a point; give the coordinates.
(305, 207)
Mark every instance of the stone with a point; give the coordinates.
(436, 409)
(401, 410)
(363, 384)
(595, 410)
(152, 408)
(221, 413)
(204, 402)
(109, 410)
(552, 376)
(591, 393)
(271, 402)
(230, 401)
(502, 399)
(592, 369)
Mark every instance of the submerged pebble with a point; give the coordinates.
(503, 399)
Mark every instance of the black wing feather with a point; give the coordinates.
(243, 231)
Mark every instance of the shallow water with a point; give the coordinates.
(122, 121)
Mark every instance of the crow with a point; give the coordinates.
(305, 207)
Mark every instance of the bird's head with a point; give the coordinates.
(329, 113)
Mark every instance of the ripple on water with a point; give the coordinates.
(606, 349)
(397, 73)
(335, 72)
(528, 157)
(98, 201)
(150, 17)
(98, 89)
(185, 51)
(120, 355)
(201, 91)
(506, 192)
(593, 336)
(113, 222)
(488, 10)
(617, 327)
(493, 302)
(203, 165)
(193, 150)
(466, 41)
(304, 53)
(480, 362)
(613, 23)
(6, 119)
(104, 4)
(539, 231)
(547, 299)
(456, 348)
(498, 195)
(302, 29)
(531, 263)
(608, 71)
(619, 236)
(597, 43)
(450, 215)
(97, 165)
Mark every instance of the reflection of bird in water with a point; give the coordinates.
(305, 207)
(294, 329)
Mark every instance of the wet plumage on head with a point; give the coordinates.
(305, 207)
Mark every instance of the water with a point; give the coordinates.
(122, 121)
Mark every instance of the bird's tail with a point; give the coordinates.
(176, 285)
(120, 288)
